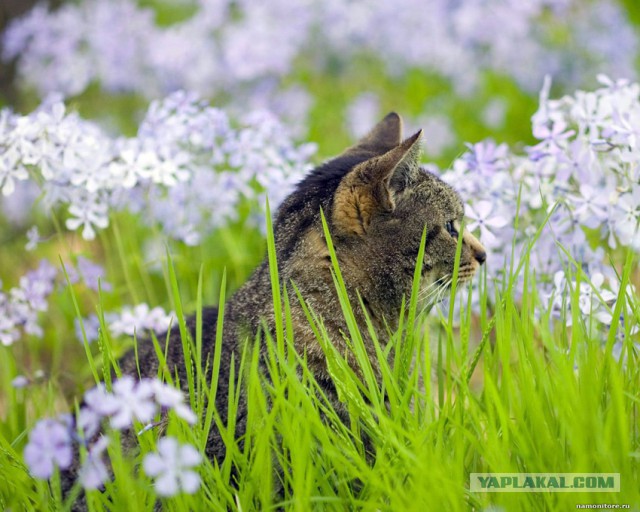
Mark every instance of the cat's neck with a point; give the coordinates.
(375, 295)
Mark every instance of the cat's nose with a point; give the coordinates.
(476, 247)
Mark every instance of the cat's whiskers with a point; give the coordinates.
(425, 291)
(430, 298)
(434, 295)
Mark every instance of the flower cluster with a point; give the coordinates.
(88, 272)
(51, 442)
(239, 47)
(21, 306)
(130, 400)
(244, 46)
(590, 305)
(255, 160)
(582, 178)
(188, 168)
(129, 321)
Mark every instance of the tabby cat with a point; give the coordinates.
(377, 202)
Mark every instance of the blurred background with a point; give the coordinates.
(462, 70)
(169, 122)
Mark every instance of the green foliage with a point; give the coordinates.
(523, 398)
(503, 391)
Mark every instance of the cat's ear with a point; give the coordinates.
(370, 187)
(384, 136)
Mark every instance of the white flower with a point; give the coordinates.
(130, 400)
(628, 217)
(590, 205)
(487, 220)
(33, 237)
(140, 317)
(88, 421)
(125, 172)
(171, 398)
(10, 171)
(49, 446)
(135, 402)
(93, 473)
(172, 467)
(100, 401)
(87, 212)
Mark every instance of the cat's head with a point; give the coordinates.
(378, 200)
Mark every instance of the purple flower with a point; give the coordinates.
(172, 467)
(138, 318)
(100, 401)
(88, 420)
(33, 238)
(486, 158)
(171, 398)
(116, 44)
(20, 307)
(93, 473)
(11, 170)
(20, 382)
(554, 135)
(49, 446)
(487, 220)
(91, 328)
(589, 302)
(92, 273)
(8, 331)
(183, 155)
(627, 214)
(586, 188)
(590, 206)
(36, 286)
(552, 131)
(130, 400)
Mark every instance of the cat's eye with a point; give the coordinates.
(451, 229)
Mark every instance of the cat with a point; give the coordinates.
(377, 201)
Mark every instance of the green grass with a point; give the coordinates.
(506, 391)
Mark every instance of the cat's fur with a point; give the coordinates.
(377, 201)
